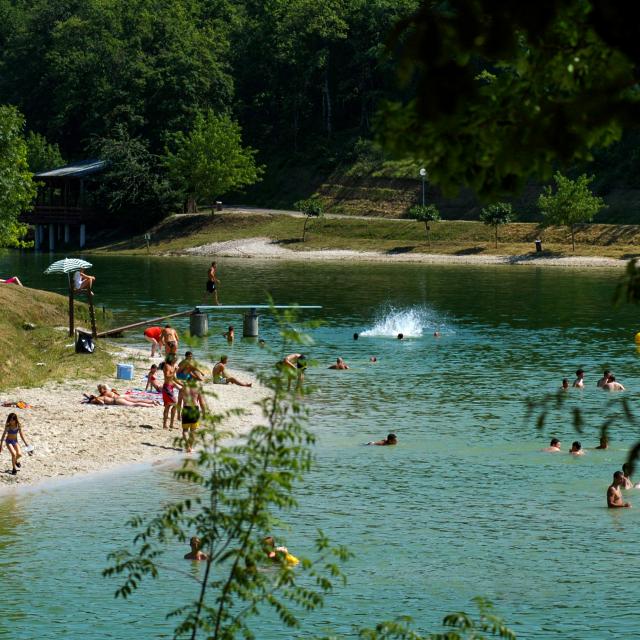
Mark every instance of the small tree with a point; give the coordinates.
(312, 208)
(42, 155)
(425, 213)
(571, 204)
(210, 160)
(497, 214)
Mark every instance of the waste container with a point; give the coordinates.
(218, 205)
(538, 246)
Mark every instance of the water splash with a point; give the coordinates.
(410, 322)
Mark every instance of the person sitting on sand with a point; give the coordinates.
(83, 282)
(554, 446)
(220, 375)
(187, 369)
(565, 384)
(391, 439)
(169, 390)
(576, 449)
(169, 337)
(152, 379)
(154, 336)
(13, 428)
(191, 406)
(604, 379)
(612, 385)
(604, 443)
(112, 397)
(229, 334)
(578, 383)
(614, 495)
(340, 365)
(195, 554)
(12, 280)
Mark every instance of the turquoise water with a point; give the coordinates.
(466, 504)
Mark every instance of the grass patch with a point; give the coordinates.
(390, 236)
(22, 349)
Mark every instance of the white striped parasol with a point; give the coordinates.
(68, 265)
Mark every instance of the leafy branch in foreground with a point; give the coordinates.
(239, 491)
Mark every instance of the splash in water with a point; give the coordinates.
(409, 322)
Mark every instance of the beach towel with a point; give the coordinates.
(141, 394)
(21, 404)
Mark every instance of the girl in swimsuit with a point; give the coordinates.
(12, 428)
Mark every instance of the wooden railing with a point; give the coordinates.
(48, 214)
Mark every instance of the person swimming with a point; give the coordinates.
(390, 440)
(565, 384)
(400, 336)
(614, 495)
(579, 381)
(195, 554)
(576, 449)
(340, 365)
(554, 446)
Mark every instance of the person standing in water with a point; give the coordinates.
(614, 495)
(554, 446)
(212, 283)
(604, 379)
(579, 381)
(195, 554)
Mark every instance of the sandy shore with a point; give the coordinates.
(265, 248)
(71, 438)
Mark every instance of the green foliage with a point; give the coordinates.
(312, 208)
(425, 213)
(132, 180)
(571, 204)
(462, 625)
(497, 214)
(17, 189)
(211, 161)
(238, 494)
(42, 155)
(561, 82)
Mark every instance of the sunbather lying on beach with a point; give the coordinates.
(12, 280)
(112, 397)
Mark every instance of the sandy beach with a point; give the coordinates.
(267, 249)
(71, 438)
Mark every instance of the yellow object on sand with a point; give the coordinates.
(292, 560)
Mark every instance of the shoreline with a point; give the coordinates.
(73, 440)
(267, 249)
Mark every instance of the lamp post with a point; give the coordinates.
(423, 173)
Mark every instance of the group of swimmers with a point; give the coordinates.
(608, 382)
(621, 479)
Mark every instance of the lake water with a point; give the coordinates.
(465, 505)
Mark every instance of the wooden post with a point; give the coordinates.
(71, 318)
(92, 314)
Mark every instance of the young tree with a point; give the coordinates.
(497, 214)
(17, 188)
(238, 491)
(312, 208)
(41, 155)
(425, 213)
(571, 204)
(210, 160)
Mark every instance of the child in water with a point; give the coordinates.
(12, 429)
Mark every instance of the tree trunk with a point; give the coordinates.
(326, 100)
(496, 236)
(304, 229)
(426, 226)
(192, 207)
(573, 239)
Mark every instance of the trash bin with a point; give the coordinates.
(218, 205)
(84, 342)
(538, 246)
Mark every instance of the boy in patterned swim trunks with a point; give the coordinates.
(191, 405)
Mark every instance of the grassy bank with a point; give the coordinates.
(387, 236)
(31, 357)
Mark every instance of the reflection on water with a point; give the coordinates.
(465, 505)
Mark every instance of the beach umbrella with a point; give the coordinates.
(68, 265)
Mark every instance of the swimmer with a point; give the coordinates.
(626, 472)
(373, 359)
(578, 383)
(437, 334)
(614, 495)
(195, 553)
(565, 384)
(340, 364)
(604, 443)
(576, 449)
(604, 379)
(401, 336)
(229, 334)
(261, 343)
(554, 446)
(612, 385)
(391, 439)
(356, 336)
